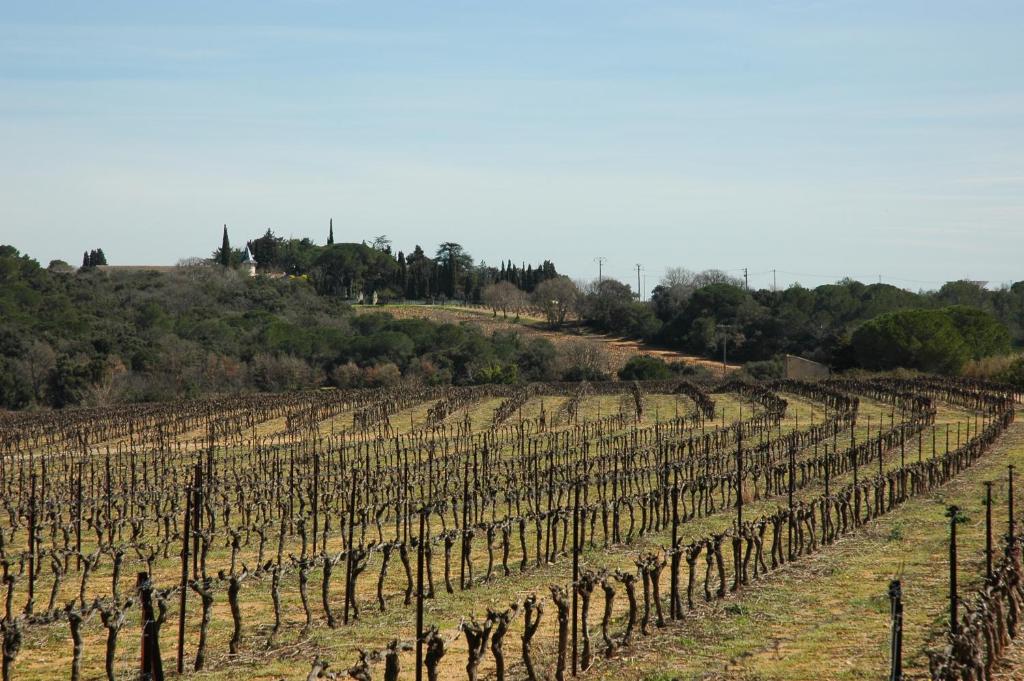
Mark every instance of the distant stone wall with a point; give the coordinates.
(804, 369)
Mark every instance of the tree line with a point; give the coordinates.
(846, 325)
(360, 269)
(105, 335)
(97, 337)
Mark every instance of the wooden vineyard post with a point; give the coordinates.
(1012, 539)
(955, 518)
(349, 595)
(615, 500)
(152, 667)
(903, 448)
(316, 496)
(827, 480)
(575, 573)
(465, 526)
(184, 579)
(291, 488)
(78, 514)
(792, 485)
(856, 489)
(430, 474)
(988, 530)
(197, 518)
(419, 598)
(674, 589)
(739, 476)
(31, 545)
(896, 643)
(737, 558)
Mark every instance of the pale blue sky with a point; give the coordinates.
(817, 138)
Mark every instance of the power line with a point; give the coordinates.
(849, 276)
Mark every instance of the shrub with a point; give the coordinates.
(697, 372)
(763, 371)
(645, 368)
(277, 374)
(941, 340)
(1014, 374)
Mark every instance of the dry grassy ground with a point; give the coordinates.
(618, 350)
(827, 616)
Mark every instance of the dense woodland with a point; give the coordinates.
(92, 335)
(96, 336)
(846, 325)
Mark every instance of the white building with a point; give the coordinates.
(250, 262)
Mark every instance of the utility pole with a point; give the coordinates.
(600, 260)
(725, 346)
(775, 286)
(724, 329)
(639, 291)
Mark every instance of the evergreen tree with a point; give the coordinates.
(224, 255)
(455, 262)
(98, 258)
(330, 233)
(86, 263)
(266, 249)
(403, 273)
(420, 275)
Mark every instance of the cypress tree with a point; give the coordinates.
(98, 258)
(403, 272)
(85, 260)
(225, 249)
(452, 275)
(330, 233)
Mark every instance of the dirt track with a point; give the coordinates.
(619, 350)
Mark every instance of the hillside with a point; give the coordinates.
(617, 350)
(96, 336)
(110, 333)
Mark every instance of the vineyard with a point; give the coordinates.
(537, 531)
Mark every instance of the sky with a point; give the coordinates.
(877, 140)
